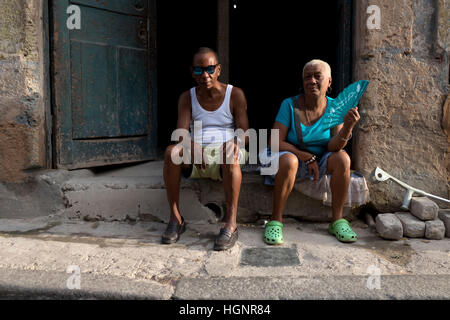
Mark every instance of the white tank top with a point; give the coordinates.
(216, 126)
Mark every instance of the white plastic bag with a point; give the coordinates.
(358, 192)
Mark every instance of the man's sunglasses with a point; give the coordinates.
(198, 71)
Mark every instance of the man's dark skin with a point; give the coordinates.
(210, 94)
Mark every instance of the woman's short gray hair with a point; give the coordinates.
(318, 62)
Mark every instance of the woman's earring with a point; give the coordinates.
(329, 90)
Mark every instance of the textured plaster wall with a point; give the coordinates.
(401, 113)
(22, 116)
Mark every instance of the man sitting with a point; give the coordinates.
(220, 109)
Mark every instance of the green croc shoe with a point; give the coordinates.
(341, 229)
(274, 233)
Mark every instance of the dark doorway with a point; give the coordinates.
(182, 27)
(270, 42)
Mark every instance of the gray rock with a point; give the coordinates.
(434, 229)
(444, 215)
(389, 226)
(424, 209)
(412, 227)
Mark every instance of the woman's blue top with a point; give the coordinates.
(315, 137)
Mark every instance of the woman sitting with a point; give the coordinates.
(311, 151)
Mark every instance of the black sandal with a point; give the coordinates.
(173, 231)
(226, 239)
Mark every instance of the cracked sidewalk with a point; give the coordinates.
(126, 260)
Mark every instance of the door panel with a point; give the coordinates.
(132, 107)
(104, 88)
(100, 26)
(137, 7)
(94, 111)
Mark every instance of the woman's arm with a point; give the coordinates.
(343, 132)
(286, 146)
(304, 156)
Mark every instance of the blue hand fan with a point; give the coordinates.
(346, 100)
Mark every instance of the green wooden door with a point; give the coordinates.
(104, 83)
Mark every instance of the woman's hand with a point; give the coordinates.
(313, 168)
(343, 132)
(351, 118)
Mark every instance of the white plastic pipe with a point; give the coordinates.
(380, 175)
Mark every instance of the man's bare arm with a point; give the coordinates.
(184, 122)
(184, 111)
(239, 110)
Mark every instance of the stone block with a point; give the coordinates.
(424, 209)
(389, 226)
(444, 215)
(434, 229)
(412, 227)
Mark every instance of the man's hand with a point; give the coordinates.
(198, 153)
(230, 150)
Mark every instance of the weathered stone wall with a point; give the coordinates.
(400, 131)
(22, 89)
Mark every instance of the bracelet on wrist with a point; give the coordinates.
(343, 139)
(313, 158)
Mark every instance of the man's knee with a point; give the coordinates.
(230, 159)
(231, 167)
(173, 151)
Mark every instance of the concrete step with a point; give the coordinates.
(44, 285)
(51, 285)
(401, 287)
(138, 192)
